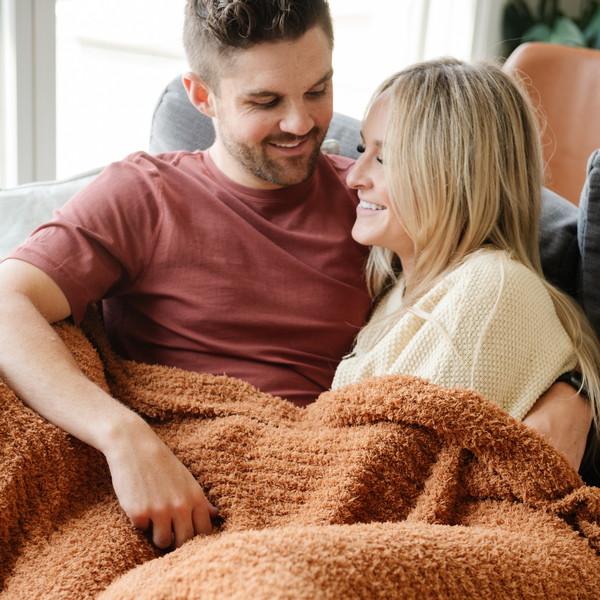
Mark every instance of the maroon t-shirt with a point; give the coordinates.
(201, 273)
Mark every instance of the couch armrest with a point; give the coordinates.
(26, 207)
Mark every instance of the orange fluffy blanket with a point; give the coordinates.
(391, 488)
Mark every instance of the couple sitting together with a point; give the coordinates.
(261, 257)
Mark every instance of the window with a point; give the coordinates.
(376, 39)
(113, 59)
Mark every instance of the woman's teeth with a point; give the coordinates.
(372, 206)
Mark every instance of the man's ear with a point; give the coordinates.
(199, 93)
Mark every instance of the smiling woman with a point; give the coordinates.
(450, 188)
(378, 223)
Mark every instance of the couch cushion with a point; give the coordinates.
(558, 242)
(589, 241)
(26, 207)
(178, 125)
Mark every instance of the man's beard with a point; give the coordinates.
(284, 172)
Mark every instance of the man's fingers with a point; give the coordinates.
(186, 528)
(213, 511)
(155, 488)
(162, 533)
(142, 523)
(183, 529)
(201, 519)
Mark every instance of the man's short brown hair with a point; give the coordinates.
(215, 29)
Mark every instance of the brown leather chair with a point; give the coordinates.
(565, 82)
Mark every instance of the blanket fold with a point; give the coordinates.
(389, 488)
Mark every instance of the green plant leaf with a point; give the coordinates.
(592, 31)
(566, 32)
(538, 33)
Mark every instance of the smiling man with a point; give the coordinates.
(271, 104)
(236, 260)
(271, 115)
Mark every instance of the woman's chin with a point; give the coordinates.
(361, 236)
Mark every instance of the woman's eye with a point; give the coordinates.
(361, 148)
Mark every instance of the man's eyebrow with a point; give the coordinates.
(326, 77)
(266, 93)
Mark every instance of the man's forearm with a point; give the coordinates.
(563, 417)
(40, 369)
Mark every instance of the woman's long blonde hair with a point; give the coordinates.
(463, 165)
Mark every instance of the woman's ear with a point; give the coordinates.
(199, 93)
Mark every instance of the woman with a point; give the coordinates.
(450, 196)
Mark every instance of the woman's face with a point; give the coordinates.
(376, 224)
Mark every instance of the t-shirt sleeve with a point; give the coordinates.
(100, 242)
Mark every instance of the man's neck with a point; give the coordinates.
(235, 171)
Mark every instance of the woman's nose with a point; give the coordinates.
(358, 176)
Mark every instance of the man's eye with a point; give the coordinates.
(318, 93)
(266, 104)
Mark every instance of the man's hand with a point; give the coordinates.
(153, 487)
(563, 417)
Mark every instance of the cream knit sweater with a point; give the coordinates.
(523, 350)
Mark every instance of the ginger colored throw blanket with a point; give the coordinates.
(389, 488)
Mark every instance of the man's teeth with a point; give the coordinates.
(372, 206)
(288, 145)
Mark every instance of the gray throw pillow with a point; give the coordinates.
(26, 207)
(588, 234)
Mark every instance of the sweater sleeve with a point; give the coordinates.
(492, 329)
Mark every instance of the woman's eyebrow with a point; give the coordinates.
(377, 143)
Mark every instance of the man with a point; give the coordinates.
(237, 260)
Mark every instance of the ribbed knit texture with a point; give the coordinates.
(524, 348)
(391, 488)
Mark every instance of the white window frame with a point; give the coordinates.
(28, 91)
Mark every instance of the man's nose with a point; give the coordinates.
(297, 120)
